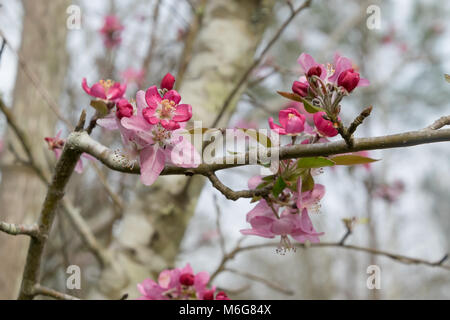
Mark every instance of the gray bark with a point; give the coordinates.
(21, 192)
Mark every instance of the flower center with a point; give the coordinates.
(161, 135)
(106, 84)
(291, 116)
(166, 109)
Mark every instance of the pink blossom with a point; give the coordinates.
(310, 67)
(344, 74)
(292, 122)
(56, 144)
(179, 284)
(390, 192)
(131, 75)
(154, 144)
(108, 90)
(265, 224)
(324, 127)
(165, 110)
(111, 31)
(308, 199)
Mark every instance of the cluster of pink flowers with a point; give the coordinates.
(111, 31)
(180, 284)
(151, 127)
(318, 92)
(340, 74)
(56, 144)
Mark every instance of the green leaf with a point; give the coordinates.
(100, 106)
(261, 138)
(278, 187)
(269, 178)
(307, 183)
(290, 96)
(351, 159)
(447, 77)
(309, 107)
(314, 162)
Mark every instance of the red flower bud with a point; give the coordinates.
(167, 82)
(300, 88)
(222, 296)
(124, 109)
(348, 79)
(325, 127)
(314, 71)
(208, 295)
(187, 279)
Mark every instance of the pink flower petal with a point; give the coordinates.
(152, 97)
(152, 161)
(173, 95)
(183, 113)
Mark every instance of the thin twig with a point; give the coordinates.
(257, 61)
(262, 280)
(44, 291)
(235, 195)
(20, 229)
(359, 120)
(218, 226)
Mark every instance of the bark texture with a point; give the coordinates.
(44, 50)
(154, 224)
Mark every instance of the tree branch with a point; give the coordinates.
(235, 195)
(20, 229)
(82, 142)
(44, 291)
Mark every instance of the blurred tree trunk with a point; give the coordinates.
(154, 224)
(21, 192)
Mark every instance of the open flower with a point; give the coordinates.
(106, 90)
(310, 67)
(292, 122)
(56, 144)
(308, 199)
(111, 31)
(345, 75)
(265, 224)
(179, 284)
(165, 110)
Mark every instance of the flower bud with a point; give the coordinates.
(324, 127)
(208, 295)
(167, 82)
(222, 296)
(348, 79)
(314, 71)
(187, 279)
(124, 109)
(300, 88)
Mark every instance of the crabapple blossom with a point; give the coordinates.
(106, 90)
(131, 75)
(179, 284)
(344, 74)
(111, 31)
(292, 122)
(165, 110)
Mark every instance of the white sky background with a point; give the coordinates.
(409, 227)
